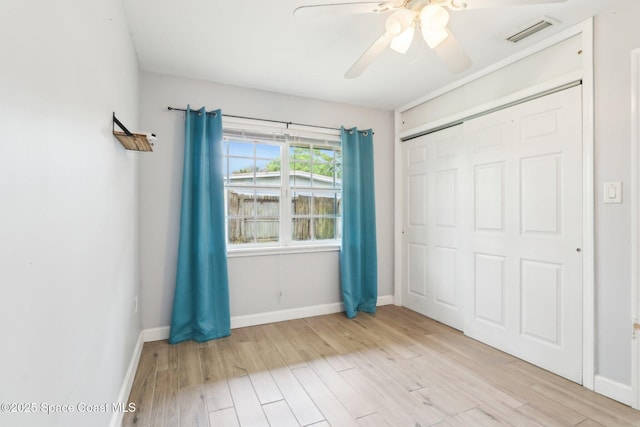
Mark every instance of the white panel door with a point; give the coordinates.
(525, 290)
(434, 169)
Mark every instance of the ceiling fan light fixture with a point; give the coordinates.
(392, 26)
(433, 18)
(434, 38)
(399, 22)
(402, 41)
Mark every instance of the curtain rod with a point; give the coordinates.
(254, 118)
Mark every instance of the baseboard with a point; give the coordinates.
(162, 333)
(386, 300)
(613, 389)
(127, 382)
(295, 313)
(282, 315)
(155, 334)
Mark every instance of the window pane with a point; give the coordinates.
(241, 171)
(300, 166)
(324, 205)
(267, 204)
(299, 175)
(299, 153)
(274, 165)
(266, 176)
(339, 174)
(250, 230)
(240, 203)
(325, 170)
(324, 228)
(301, 229)
(240, 231)
(323, 155)
(301, 204)
(241, 149)
(320, 180)
(270, 152)
(267, 230)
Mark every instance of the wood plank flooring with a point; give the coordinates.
(394, 368)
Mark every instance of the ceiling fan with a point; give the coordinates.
(429, 16)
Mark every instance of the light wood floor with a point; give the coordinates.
(396, 368)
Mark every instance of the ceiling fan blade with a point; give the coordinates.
(481, 4)
(351, 8)
(368, 57)
(453, 55)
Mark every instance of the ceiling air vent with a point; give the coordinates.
(532, 28)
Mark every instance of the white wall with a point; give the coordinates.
(263, 283)
(616, 35)
(68, 207)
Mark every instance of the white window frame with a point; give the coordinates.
(290, 132)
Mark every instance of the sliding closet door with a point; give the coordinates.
(492, 230)
(434, 169)
(525, 293)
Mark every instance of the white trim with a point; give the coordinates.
(155, 334)
(162, 333)
(494, 104)
(557, 38)
(398, 213)
(127, 382)
(296, 313)
(282, 315)
(634, 195)
(613, 389)
(281, 250)
(588, 209)
(385, 300)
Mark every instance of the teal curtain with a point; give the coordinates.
(201, 299)
(358, 254)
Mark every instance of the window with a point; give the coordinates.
(282, 188)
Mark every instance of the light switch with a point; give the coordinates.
(612, 192)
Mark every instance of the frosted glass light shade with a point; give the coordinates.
(434, 38)
(434, 18)
(402, 41)
(393, 26)
(399, 22)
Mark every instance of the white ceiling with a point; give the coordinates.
(260, 44)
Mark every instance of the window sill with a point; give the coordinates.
(281, 250)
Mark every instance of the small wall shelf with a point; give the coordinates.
(132, 141)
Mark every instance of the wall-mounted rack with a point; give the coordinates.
(132, 141)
